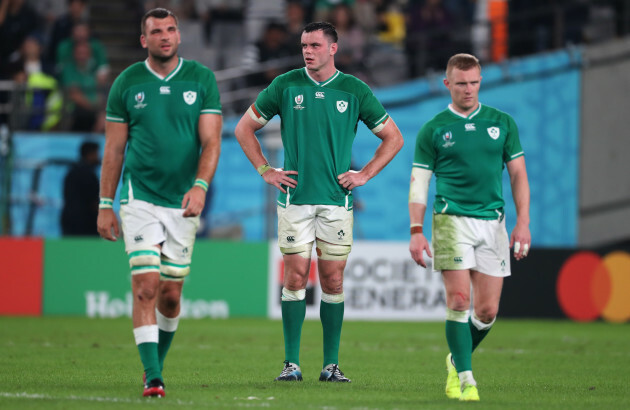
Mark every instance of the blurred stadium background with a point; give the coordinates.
(559, 67)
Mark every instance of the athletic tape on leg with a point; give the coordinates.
(144, 260)
(166, 324)
(328, 298)
(460, 316)
(293, 295)
(171, 270)
(331, 252)
(302, 250)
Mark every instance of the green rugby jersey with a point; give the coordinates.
(467, 155)
(163, 117)
(318, 126)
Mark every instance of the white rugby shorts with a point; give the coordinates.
(146, 224)
(461, 242)
(301, 224)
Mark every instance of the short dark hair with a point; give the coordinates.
(462, 61)
(158, 13)
(88, 147)
(329, 30)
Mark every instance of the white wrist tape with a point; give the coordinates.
(419, 187)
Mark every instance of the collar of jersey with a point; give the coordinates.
(472, 114)
(168, 77)
(323, 83)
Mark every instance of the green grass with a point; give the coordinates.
(79, 363)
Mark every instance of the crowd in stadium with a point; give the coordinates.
(53, 51)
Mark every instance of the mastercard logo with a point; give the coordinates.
(590, 286)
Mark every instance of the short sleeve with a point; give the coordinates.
(116, 111)
(424, 154)
(212, 100)
(512, 148)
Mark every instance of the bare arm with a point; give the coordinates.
(392, 142)
(210, 126)
(521, 237)
(116, 135)
(245, 134)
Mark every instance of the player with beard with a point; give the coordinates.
(164, 123)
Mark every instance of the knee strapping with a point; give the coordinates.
(457, 315)
(331, 252)
(144, 260)
(328, 298)
(170, 270)
(479, 324)
(293, 295)
(302, 250)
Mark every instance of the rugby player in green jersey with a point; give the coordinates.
(164, 123)
(320, 108)
(467, 146)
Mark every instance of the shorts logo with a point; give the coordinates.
(494, 132)
(458, 259)
(138, 238)
(190, 97)
(319, 94)
(298, 101)
(448, 140)
(342, 106)
(290, 238)
(470, 127)
(139, 101)
(341, 234)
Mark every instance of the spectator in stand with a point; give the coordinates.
(272, 46)
(351, 49)
(81, 34)
(17, 21)
(80, 194)
(43, 102)
(428, 43)
(296, 20)
(62, 27)
(324, 8)
(83, 87)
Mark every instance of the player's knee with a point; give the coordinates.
(331, 252)
(144, 260)
(486, 314)
(459, 300)
(170, 299)
(146, 293)
(301, 250)
(293, 295)
(171, 270)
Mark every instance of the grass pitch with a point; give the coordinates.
(80, 363)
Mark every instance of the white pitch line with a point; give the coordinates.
(25, 395)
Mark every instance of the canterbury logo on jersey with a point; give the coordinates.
(319, 94)
(470, 127)
(165, 89)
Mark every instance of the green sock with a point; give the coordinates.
(149, 357)
(331, 315)
(476, 334)
(164, 344)
(293, 313)
(460, 343)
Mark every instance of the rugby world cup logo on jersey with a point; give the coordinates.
(448, 139)
(139, 101)
(342, 106)
(190, 97)
(298, 102)
(494, 132)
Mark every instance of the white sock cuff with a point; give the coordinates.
(328, 298)
(293, 295)
(166, 324)
(466, 377)
(460, 316)
(146, 334)
(479, 324)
